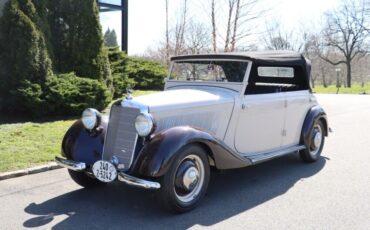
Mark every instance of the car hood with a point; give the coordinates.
(185, 98)
(206, 108)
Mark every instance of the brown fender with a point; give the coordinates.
(158, 154)
(315, 113)
(82, 145)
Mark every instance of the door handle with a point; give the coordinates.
(244, 106)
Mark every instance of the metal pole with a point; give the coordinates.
(124, 17)
(338, 80)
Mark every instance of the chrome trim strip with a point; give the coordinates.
(73, 165)
(133, 151)
(262, 157)
(134, 104)
(137, 182)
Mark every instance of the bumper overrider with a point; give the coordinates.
(123, 177)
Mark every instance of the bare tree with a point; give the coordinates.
(167, 36)
(277, 39)
(198, 38)
(228, 28)
(236, 25)
(366, 9)
(180, 30)
(214, 28)
(344, 33)
(233, 21)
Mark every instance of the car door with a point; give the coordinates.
(298, 103)
(260, 123)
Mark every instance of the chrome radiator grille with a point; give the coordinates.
(121, 135)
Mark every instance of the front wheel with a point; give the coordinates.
(313, 149)
(186, 182)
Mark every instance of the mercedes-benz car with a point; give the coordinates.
(221, 111)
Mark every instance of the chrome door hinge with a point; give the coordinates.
(283, 133)
(244, 106)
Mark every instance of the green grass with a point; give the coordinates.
(29, 144)
(24, 145)
(355, 89)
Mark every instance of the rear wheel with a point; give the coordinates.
(316, 143)
(84, 180)
(186, 182)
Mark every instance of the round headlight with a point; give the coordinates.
(144, 124)
(90, 118)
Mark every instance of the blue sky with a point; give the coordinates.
(147, 18)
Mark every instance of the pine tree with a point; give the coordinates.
(23, 54)
(77, 39)
(110, 38)
(39, 36)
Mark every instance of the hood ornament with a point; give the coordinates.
(129, 92)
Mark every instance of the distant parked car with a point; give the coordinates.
(223, 111)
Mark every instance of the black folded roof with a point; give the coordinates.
(278, 56)
(282, 58)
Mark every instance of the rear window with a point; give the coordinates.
(283, 72)
(219, 71)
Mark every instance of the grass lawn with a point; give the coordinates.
(355, 89)
(23, 145)
(29, 144)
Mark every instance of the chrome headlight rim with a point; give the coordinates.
(91, 118)
(151, 124)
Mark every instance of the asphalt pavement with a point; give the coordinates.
(333, 193)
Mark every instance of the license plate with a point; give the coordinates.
(104, 171)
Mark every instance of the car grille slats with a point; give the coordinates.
(121, 135)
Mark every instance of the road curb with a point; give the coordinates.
(29, 171)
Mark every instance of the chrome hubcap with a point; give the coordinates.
(189, 178)
(316, 140)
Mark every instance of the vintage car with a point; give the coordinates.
(221, 111)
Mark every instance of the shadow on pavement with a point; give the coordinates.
(121, 207)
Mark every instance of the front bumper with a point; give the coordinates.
(123, 177)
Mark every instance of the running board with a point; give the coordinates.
(262, 157)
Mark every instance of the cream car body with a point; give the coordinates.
(217, 110)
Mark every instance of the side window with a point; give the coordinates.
(275, 79)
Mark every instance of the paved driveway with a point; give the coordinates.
(333, 193)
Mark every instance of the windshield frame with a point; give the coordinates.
(245, 78)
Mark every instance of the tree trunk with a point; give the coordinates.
(214, 35)
(236, 19)
(323, 78)
(324, 81)
(228, 29)
(167, 37)
(349, 69)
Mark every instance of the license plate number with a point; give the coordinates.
(104, 171)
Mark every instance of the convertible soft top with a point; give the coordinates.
(273, 58)
(269, 56)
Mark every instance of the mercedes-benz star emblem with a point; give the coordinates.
(129, 92)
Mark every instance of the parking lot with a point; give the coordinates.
(333, 193)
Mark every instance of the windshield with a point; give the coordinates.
(222, 71)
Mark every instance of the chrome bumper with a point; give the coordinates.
(73, 165)
(137, 182)
(123, 177)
